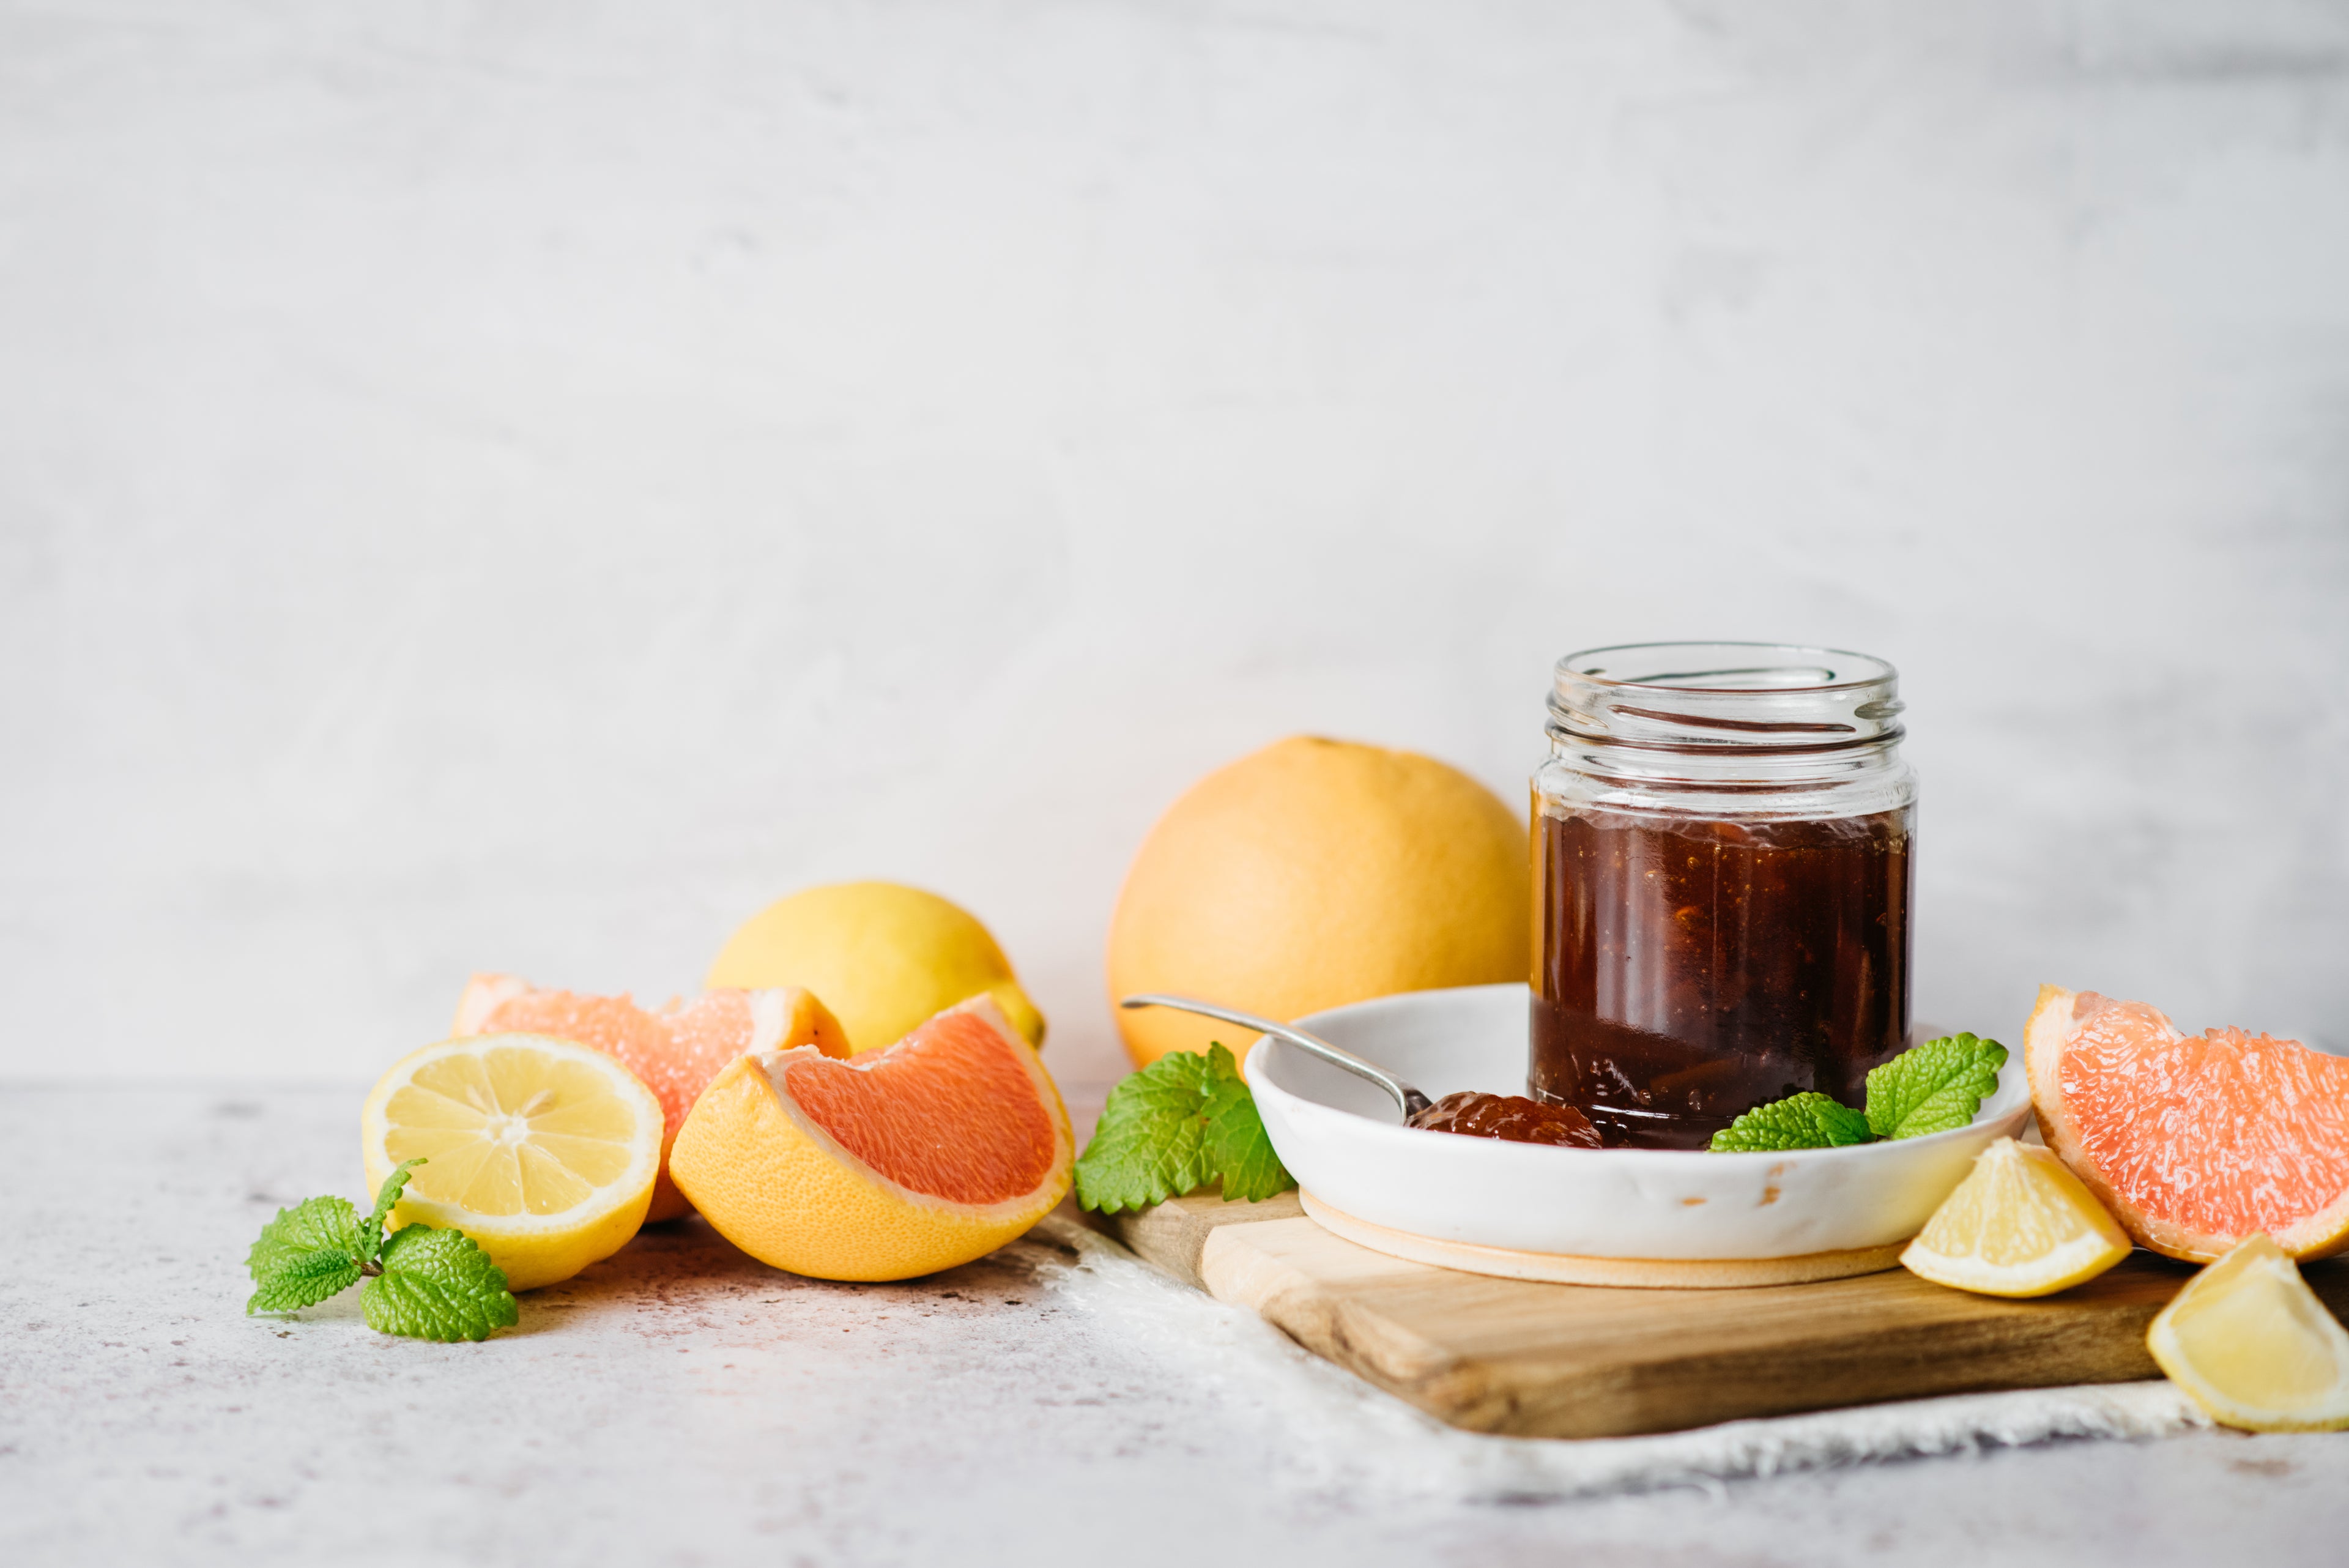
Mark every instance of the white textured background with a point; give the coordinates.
(520, 486)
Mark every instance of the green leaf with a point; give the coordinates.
(313, 1226)
(386, 1196)
(1237, 1146)
(1178, 1125)
(1151, 1144)
(304, 1282)
(438, 1284)
(1933, 1087)
(1807, 1120)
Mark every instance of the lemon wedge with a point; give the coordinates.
(2019, 1224)
(543, 1151)
(2251, 1342)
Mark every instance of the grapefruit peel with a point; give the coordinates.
(783, 1152)
(2194, 1143)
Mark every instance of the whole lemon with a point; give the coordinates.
(1315, 873)
(881, 956)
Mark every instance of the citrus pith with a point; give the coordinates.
(674, 1050)
(542, 1150)
(898, 1162)
(2193, 1142)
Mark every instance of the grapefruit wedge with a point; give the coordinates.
(901, 1162)
(674, 1050)
(2194, 1142)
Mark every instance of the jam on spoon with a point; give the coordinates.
(1512, 1118)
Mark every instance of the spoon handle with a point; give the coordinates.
(1408, 1099)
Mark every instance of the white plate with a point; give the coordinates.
(1345, 1144)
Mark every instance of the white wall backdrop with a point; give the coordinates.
(520, 485)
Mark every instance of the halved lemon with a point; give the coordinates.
(543, 1151)
(2251, 1342)
(2019, 1224)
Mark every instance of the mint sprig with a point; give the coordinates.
(436, 1284)
(307, 1253)
(1180, 1123)
(1927, 1088)
(421, 1283)
(1238, 1146)
(1933, 1087)
(1807, 1120)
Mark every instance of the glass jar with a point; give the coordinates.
(1722, 877)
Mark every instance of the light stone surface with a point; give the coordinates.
(682, 1405)
(519, 485)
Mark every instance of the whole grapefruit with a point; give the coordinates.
(1312, 874)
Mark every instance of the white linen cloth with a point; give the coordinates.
(1361, 1433)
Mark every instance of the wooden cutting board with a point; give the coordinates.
(1583, 1361)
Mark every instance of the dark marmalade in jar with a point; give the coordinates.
(1689, 969)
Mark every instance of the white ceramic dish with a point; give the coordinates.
(1344, 1142)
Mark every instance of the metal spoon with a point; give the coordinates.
(1410, 1101)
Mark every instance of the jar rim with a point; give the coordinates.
(1789, 699)
(1812, 658)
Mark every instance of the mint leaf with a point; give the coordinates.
(312, 1226)
(438, 1284)
(428, 1283)
(304, 1282)
(1151, 1144)
(1176, 1126)
(1933, 1087)
(307, 1253)
(1927, 1088)
(386, 1196)
(1807, 1120)
(1238, 1146)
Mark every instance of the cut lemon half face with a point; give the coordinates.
(2019, 1224)
(2251, 1342)
(543, 1151)
(674, 1050)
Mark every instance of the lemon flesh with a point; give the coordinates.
(2252, 1344)
(2019, 1224)
(543, 1151)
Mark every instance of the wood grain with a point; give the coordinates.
(1580, 1361)
(1173, 1234)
